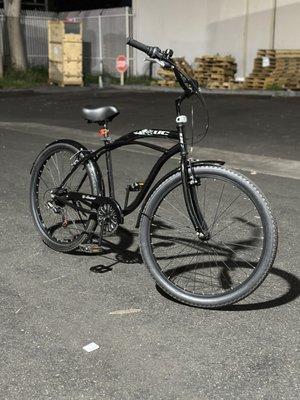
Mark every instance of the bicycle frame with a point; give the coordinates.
(126, 140)
(132, 138)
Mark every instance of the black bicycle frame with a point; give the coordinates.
(126, 140)
(132, 138)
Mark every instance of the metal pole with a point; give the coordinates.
(127, 34)
(245, 55)
(100, 83)
(274, 24)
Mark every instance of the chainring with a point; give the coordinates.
(109, 215)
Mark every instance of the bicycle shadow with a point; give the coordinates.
(231, 263)
(116, 250)
(292, 293)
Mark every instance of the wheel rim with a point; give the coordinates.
(68, 225)
(229, 259)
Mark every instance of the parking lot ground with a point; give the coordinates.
(150, 347)
(247, 124)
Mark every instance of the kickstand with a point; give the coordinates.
(100, 237)
(94, 247)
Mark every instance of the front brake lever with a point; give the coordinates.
(163, 64)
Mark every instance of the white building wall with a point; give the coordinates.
(179, 25)
(193, 28)
(287, 34)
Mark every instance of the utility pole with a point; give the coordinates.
(12, 11)
(1, 61)
(274, 24)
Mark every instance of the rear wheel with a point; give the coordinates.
(228, 266)
(61, 227)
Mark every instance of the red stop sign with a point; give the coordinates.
(121, 64)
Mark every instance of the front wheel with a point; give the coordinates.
(233, 262)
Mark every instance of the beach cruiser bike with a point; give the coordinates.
(207, 234)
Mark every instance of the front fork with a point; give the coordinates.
(189, 186)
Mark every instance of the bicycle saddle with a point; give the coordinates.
(99, 114)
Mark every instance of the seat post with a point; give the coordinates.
(109, 167)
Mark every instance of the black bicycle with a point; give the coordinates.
(207, 234)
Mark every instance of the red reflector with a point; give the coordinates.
(103, 132)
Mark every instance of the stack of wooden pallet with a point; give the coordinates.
(275, 68)
(286, 74)
(215, 71)
(167, 75)
(264, 65)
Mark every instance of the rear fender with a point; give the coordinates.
(195, 163)
(94, 165)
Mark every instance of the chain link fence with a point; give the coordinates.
(104, 37)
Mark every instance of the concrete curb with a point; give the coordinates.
(143, 88)
(250, 92)
(246, 162)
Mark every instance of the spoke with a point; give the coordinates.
(217, 209)
(232, 269)
(160, 243)
(43, 181)
(233, 222)
(193, 244)
(210, 270)
(170, 263)
(179, 255)
(58, 170)
(180, 212)
(205, 183)
(167, 220)
(244, 245)
(181, 275)
(224, 275)
(190, 233)
(218, 255)
(50, 172)
(239, 257)
(222, 212)
(55, 166)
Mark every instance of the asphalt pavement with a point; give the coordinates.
(150, 347)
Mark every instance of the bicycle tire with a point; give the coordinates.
(208, 300)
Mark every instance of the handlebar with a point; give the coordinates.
(151, 51)
(188, 84)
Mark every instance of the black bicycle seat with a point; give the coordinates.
(99, 114)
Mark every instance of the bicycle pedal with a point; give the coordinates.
(91, 248)
(135, 186)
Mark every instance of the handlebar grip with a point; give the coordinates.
(138, 45)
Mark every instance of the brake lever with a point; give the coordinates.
(163, 64)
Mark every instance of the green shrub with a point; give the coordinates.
(274, 86)
(35, 76)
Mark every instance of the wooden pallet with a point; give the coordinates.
(167, 75)
(281, 70)
(214, 71)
